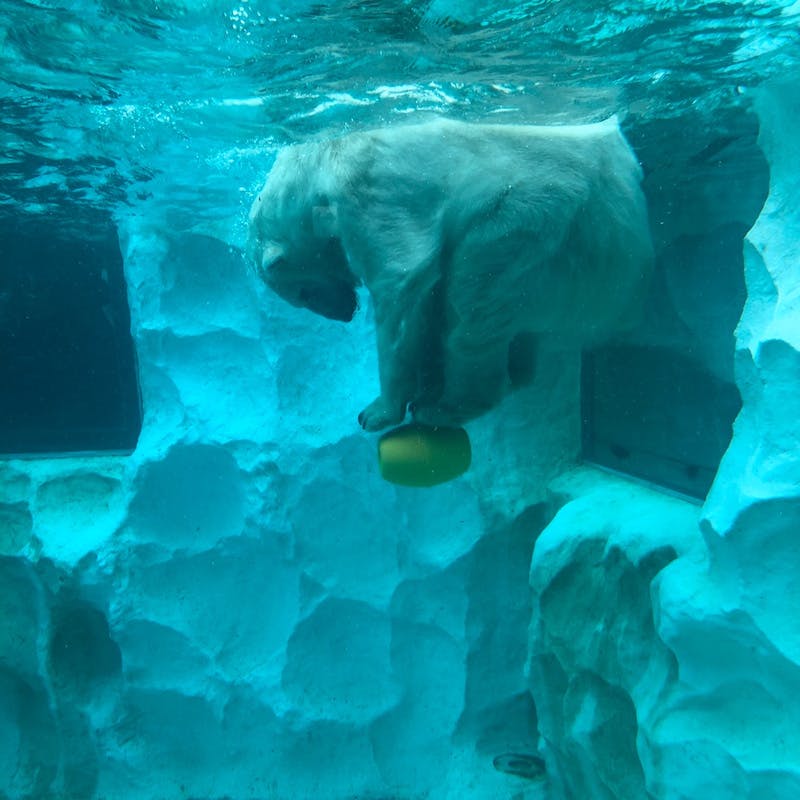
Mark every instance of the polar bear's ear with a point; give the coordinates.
(324, 219)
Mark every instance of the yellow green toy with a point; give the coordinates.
(423, 455)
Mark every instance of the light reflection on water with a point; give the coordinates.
(180, 106)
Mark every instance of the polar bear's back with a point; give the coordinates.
(554, 214)
(564, 203)
(416, 164)
(466, 167)
(439, 148)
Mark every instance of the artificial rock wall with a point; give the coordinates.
(665, 640)
(242, 608)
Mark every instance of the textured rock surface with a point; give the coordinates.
(244, 609)
(665, 643)
(598, 667)
(731, 622)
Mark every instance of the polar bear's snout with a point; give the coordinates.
(304, 286)
(336, 300)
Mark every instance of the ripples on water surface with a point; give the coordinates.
(170, 106)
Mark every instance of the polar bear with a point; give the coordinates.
(475, 242)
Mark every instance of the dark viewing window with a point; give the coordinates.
(653, 414)
(68, 370)
(659, 402)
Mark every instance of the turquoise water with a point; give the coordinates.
(173, 106)
(208, 591)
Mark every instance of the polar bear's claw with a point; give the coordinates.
(377, 415)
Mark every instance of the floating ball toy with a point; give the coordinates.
(423, 455)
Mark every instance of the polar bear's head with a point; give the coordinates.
(295, 246)
(316, 279)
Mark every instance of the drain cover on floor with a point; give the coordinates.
(521, 764)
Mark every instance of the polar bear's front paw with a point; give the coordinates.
(379, 414)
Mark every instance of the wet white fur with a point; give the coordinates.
(523, 228)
